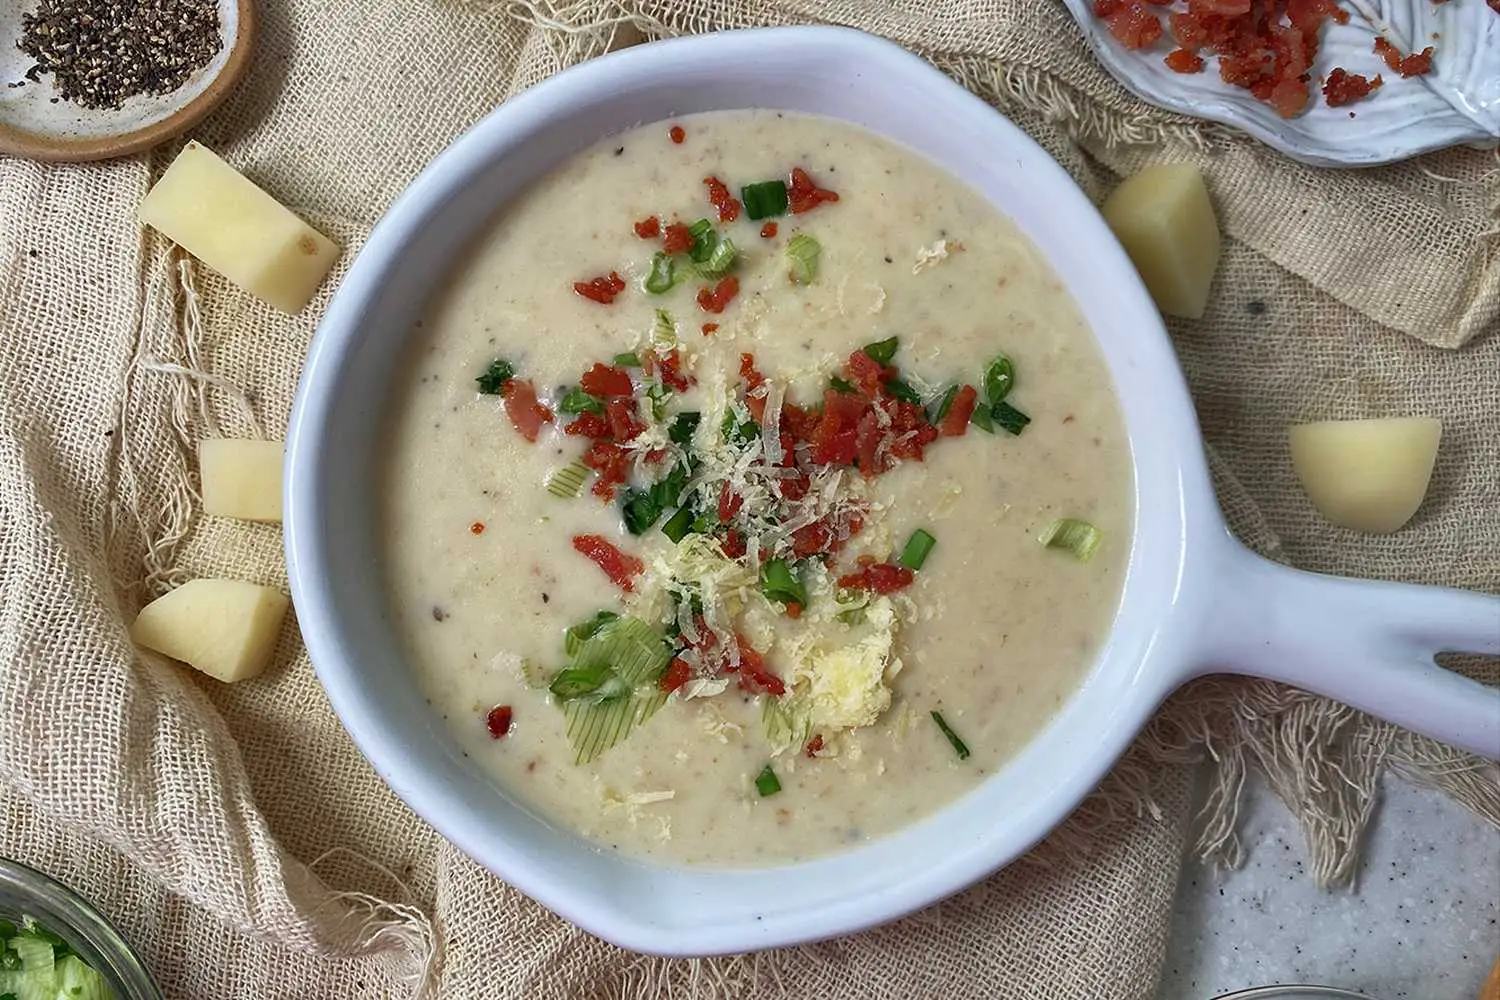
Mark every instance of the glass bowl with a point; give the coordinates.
(26, 892)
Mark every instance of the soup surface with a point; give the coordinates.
(769, 410)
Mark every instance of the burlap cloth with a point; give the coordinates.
(248, 849)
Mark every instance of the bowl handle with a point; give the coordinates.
(1368, 644)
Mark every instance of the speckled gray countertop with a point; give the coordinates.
(1423, 923)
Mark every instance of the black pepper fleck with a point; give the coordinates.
(102, 52)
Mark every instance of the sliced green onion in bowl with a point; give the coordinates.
(918, 547)
(959, 747)
(1009, 418)
(720, 260)
(779, 582)
(882, 351)
(575, 400)
(802, 253)
(945, 403)
(679, 525)
(594, 727)
(630, 359)
(683, 427)
(705, 238)
(766, 782)
(999, 379)
(904, 391)
(764, 200)
(841, 385)
(982, 419)
(663, 330)
(577, 634)
(663, 274)
(1076, 536)
(568, 481)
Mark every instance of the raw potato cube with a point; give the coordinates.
(241, 478)
(1166, 223)
(1368, 475)
(225, 628)
(223, 219)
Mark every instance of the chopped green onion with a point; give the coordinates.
(1009, 417)
(882, 351)
(683, 427)
(779, 582)
(785, 725)
(705, 239)
(705, 522)
(764, 200)
(841, 385)
(596, 679)
(981, 418)
(766, 782)
(918, 547)
(958, 744)
(663, 274)
(495, 376)
(576, 634)
(594, 727)
(575, 400)
(678, 525)
(802, 253)
(628, 360)
(664, 330)
(568, 481)
(640, 511)
(1079, 537)
(854, 616)
(904, 391)
(737, 432)
(999, 379)
(658, 395)
(720, 260)
(944, 404)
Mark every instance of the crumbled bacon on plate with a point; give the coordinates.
(1416, 64)
(1343, 88)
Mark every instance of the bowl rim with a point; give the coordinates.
(1174, 502)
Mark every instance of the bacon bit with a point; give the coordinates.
(754, 677)
(621, 569)
(1133, 25)
(768, 231)
(814, 746)
(834, 438)
(589, 425)
(677, 134)
(881, 578)
(656, 455)
(729, 504)
(733, 545)
(677, 674)
(601, 290)
(955, 422)
(606, 380)
(793, 487)
(1343, 88)
(803, 195)
(477, 528)
(1183, 61)
(793, 610)
(671, 371)
(498, 721)
(676, 239)
(1416, 64)
(709, 328)
(522, 407)
(720, 198)
(611, 462)
(648, 228)
(754, 402)
(716, 299)
(868, 375)
(624, 421)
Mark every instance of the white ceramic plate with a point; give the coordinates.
(1194, 600)
(1457, 103)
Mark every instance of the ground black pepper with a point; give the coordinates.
(101, 52)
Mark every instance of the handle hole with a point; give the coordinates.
(1485, 669)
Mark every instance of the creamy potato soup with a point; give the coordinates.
(754, 489)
